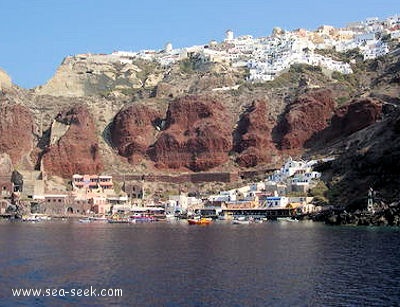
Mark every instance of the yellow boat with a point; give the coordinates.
(201, 221)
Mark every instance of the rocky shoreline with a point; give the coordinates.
(384, 215)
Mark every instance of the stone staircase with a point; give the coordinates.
(33, 183)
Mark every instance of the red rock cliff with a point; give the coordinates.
(306, 116)
(350, 118)
(16, 131)
(253, 139)
(355, 116)
(76, 152)
(133, 130)
(197, 135)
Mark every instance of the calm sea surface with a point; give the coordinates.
(174, 264)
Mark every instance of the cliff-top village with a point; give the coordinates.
(267, 57)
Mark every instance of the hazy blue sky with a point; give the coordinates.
(37, 34)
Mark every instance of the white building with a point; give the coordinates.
(277, 202)
(228, 35)
(168, 47)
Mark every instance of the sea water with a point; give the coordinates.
(176, 264)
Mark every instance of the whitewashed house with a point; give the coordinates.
(276, 202)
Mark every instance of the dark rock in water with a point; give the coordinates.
(333, 220)
(384, 216)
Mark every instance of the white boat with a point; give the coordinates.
(287, 219)
(85, 220)
(100, 219)
(241, 222)
(30, 218)
(35, 218)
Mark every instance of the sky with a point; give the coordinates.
(36, 35)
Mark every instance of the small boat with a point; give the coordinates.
(35, 218)
(244, 220)
(99, 219)
(85, 220)
(30, 218)
(139, 218)
(200, 221)
(241, 222)
(119, 221)
(43, 217)
(287, 219)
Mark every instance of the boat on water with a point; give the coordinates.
(199, 221)
(119, 221)
(35, 218)
(99, 219)
(94, 219)
(30, 218)
(140, 218)
(241, 222)
(85, 220)
(287, 219)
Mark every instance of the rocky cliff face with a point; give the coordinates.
(133, 130)
(197, 135)
(87, 74)
(306, 116)
(370, 159)
(77, 150)
(355, 116)
(253, 136)
(16, 131)
(199, 118)
(348, 119)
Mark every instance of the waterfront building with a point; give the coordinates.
(276, 202)
(183, 203)
(90, 183)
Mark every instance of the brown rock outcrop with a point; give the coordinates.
(347, 119)
(371, 159)
(253, 140)
(133, 130)
(197, 135)
(353, 117)
(307, 115)
(76, 151)
(16, 131)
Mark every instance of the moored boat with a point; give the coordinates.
(286, 219)
(30, 218)
(241, 222)
(139, 218)
(35, 218)
(200, 221)
(84, 220)
(119, 221)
